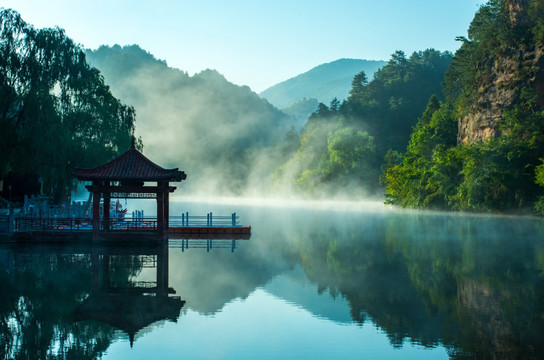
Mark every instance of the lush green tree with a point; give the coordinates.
(56, 112)
(360, 81)
(425, 175)
(389, 105)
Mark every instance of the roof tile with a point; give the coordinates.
(133, 166)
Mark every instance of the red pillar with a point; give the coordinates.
(166, 208)
(95, 266)
(162, 270)
(160, 212)
(107, 211)
(96, 213)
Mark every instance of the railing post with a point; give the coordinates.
(234, 219)
(211, 221)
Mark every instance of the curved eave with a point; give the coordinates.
(130, 166)
(182, 176)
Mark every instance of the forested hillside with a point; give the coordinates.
(343, 145)
(215, 131)
(56, 113)
(481, 148)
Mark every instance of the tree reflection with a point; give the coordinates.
(51, 299)
(40, 293)
(474, 285)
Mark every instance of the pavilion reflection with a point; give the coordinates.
(53, 290)
(123, 287)
(121, 301)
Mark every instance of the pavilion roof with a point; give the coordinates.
(130, 166)
(129, 313)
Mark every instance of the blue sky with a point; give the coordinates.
(258, 43)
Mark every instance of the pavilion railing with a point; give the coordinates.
(123, 224)
(51, 224)
(209, 220)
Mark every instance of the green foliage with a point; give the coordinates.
(490, 176)
(539, 179)
(391, 103)
(56, 112)
(499, 173)
(343, 145)
(331, 156)
(346, 149)
(536, 13)
(425, 176)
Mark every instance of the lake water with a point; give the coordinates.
(317, 280)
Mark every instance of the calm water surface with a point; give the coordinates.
(315, 281)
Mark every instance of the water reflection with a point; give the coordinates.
(129, 305)
(471, 285)
(68, 302)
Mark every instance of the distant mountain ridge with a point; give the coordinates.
(324, 82)
(207, 126)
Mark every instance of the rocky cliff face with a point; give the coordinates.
(515, 71)
(510, 75)
(498, 329)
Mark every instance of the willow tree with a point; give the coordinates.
(56, 112)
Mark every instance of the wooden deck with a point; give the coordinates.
(138, 229)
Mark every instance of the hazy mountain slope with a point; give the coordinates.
(203, 124)
(295, 288)
(324, 82)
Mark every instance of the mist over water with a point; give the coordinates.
(316, 279)
(469, 284)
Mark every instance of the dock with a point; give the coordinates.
(136, 227)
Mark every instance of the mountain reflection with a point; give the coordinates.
(474, 285)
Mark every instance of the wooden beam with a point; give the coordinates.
(130, 189)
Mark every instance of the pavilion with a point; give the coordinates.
(125, 177)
